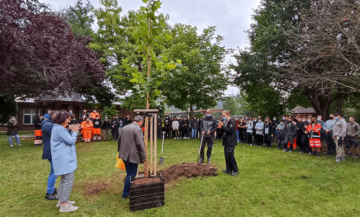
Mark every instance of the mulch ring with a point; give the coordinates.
(188, 171)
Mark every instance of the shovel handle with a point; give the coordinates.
(162, 147)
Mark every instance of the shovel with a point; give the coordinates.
(162, 150)
(200, 148)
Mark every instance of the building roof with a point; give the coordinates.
(301, 110)
(202, 111)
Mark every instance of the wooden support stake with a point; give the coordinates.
(155, 144)
(151, 143)
(146, 146)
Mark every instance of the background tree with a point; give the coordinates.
(8, 108)
(38, 52)
(232, 104)
(203, 79)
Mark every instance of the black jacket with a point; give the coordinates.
(11, 128)
(271, 129)
(301, 127)
(274, 124)
(73, 122)
(167, 123)
(181, 124)
(208, 124)
(159, 123)
(290, 131)
(194, 124)
(106, 125)
(229, 133)
(37, 124)
(127, 121)
(97, 123)
(114, 123)
(186, 123)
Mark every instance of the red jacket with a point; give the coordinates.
(316, 130)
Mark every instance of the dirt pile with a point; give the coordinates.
(95, 189)
(188, 171)
(144, 181)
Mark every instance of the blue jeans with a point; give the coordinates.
(51, 179)
(131, 171)
(194, 133)
(16, 137)
(237, 135)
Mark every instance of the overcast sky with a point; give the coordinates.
(231, 17)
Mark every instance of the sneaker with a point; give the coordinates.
(19, 144)
(50, 196)
(11, 146)
(68, 208)
(235, 173)
(174, 138)
(290, 151)
(337, 159)
(250, 144)
(224, 171)
(356, 156)
(318, 154)
(350, 154)
(342, 159)
(59, 204)
(284, 150)
(277, 148)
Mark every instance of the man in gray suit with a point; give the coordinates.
(131, 150)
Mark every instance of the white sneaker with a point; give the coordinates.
(68, 208)
(19, 145)
(10, 146)
(175, 138)
(59, 204)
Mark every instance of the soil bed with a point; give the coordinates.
(95, 189)
(144, 181)
(188, 171)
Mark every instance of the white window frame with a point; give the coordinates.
(33, 112)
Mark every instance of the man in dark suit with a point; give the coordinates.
(131, 150)
(229, 142)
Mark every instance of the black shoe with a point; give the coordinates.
(350, 155)
(224, 171)
(50, 196)
(235, 173)
(55, 191)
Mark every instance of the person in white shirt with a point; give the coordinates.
(175, 127)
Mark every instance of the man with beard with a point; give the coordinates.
(208, 127)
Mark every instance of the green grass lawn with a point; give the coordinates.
(270, 183)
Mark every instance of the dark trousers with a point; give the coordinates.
(242, 135)
(286, 141)
(280, 140)
(168, 133)
(299, 141)
(330, 143)
(114, 133)
(259, 139)
(267, 138)
(209, 140)
(249, 138)
(131, 171)
(255, 137)
(218, 134)
(306, 144)
(175, 133)
(159, 133)
(231, 165)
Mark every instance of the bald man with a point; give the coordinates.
(208, 128)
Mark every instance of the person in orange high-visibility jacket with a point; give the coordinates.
(87, 127)
(313, 130)
(94, 114)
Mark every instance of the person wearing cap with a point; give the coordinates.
(352, 134)
(339, 134)
(46, 116)
(131, 150)
(96, 129)
(106, 128)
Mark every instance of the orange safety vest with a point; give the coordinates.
(87, 126)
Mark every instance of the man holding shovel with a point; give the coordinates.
(208, 128)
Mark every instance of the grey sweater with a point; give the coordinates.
(339, 128)
(353, 129)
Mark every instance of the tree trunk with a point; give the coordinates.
(191, 113)
(321, 104)
(340, 102)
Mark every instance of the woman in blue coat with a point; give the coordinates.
(63, 153)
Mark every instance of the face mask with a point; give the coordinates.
(13, 119)
(284, 119)
(303, 120)
(41, 118)
(318, 120)
(209, 115)
(224, 118)
(94, 111)
(258, 117)
(245, 118)
(274, 119)
(308, 121)
(88, 119)
(70, 112)
(106, 117)
(336, 118)
(259, 120)
(128, 116)
(97, 118)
